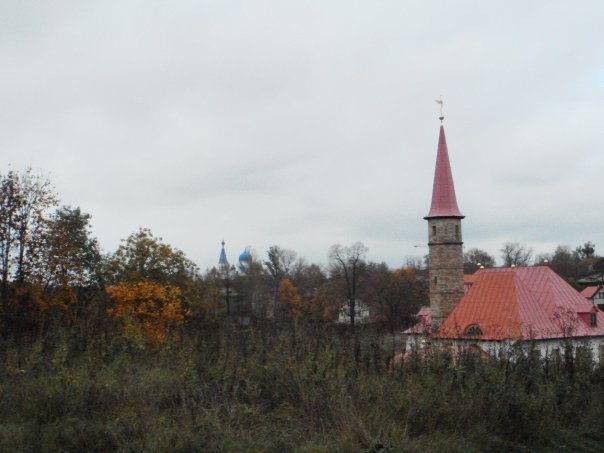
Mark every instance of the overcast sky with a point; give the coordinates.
(309, 123)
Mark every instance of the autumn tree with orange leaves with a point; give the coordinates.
(147, 309)
(290, 299)
(154, 286)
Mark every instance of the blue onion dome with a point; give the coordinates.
(245, 257)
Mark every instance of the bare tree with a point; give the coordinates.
(415, 262)
(24, 202)
(279, 265)
(586, 250)
(474, 258)
(308, 278)
(516, 254)
(542, 258)
(348, 262)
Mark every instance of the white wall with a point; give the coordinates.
(547, 347)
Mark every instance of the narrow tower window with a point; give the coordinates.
(457, 231)
(435, 280)
(433, 230)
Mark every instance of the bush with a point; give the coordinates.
(248, 389)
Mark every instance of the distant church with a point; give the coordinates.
(238, 307)
(499, 304)
(244, 261)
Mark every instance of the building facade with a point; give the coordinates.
(595, 295)
(500, 306)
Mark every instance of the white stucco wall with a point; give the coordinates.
(545, 347)
(598, 298)
(361, 313)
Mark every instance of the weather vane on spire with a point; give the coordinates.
(440, 102)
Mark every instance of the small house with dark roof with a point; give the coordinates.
(595, 295)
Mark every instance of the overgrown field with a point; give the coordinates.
(264, 389)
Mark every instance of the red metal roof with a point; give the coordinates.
(521, 303)
(424, 323)
(469, 278)
(590, 291)
(444, 203)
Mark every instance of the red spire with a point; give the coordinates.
(444, 203)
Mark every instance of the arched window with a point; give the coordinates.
(473, 330)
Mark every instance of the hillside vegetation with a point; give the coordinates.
(261, 389)
(136, 350)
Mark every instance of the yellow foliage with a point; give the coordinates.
(146, 307)
(288, 295)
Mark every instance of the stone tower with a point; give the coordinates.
(445, 243)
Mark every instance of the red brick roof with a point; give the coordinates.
(521, 303)
(444, 203)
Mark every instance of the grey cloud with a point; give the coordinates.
(307, 124)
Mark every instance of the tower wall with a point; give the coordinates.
(445, 266)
